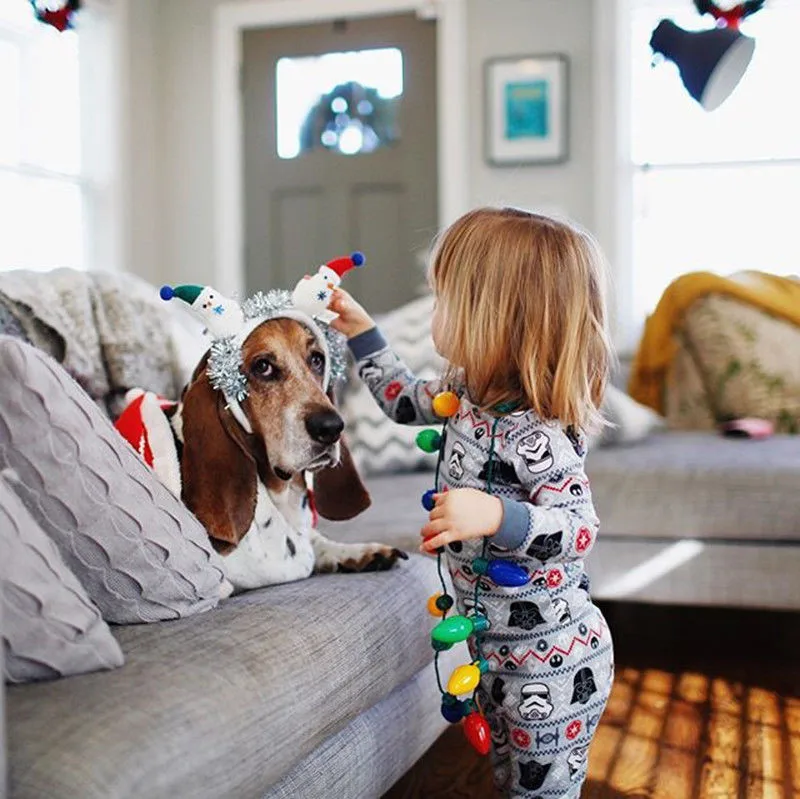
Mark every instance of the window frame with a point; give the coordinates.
(23, 37)
(615, 169)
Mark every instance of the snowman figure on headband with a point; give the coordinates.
(221, 316)
(314, 292)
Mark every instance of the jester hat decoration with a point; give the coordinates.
(229, 324)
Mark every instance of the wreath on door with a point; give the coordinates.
(351, 118)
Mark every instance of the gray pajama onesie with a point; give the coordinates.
(548, 647)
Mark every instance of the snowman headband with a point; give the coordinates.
(230, 324)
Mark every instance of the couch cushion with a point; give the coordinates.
(674, 485)
(140, 554)
(337, 767)
(395, 517)
(50, 626)
(700, 485)
(225, 703)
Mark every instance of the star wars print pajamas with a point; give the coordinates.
(548, 647)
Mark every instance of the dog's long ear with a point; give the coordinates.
(219, 474)
(339, 492)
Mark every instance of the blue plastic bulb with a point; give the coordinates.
(502, 572)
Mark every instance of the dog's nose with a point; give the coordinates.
(325, 427)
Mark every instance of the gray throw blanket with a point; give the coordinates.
(110, 331)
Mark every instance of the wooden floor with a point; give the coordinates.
(706, 705)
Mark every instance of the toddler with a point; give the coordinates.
(520, 319)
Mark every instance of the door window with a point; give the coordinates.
(345, 102)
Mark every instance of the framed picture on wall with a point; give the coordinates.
(526, 101)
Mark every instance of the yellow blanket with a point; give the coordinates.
(779, 296)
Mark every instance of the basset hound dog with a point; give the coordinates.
(250, 489)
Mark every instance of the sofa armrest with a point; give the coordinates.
(3, 780)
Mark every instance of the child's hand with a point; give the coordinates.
(353, 319)
(460, 515)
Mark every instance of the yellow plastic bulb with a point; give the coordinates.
(464, 680)
(445, 404)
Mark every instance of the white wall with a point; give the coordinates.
(527, 27)
(143, 142)
(171, 189)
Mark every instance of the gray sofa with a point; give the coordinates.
(325, 687)
(312, 689)
(317, 689)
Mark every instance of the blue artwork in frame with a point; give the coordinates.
(527, 111)
(526, 102)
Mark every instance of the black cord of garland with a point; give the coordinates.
(489, 477)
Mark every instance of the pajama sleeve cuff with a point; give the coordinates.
(366, 344)
(514, 528)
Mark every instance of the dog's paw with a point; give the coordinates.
(335, 556)
(375, 558)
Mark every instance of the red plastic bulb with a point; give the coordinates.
(476, 728)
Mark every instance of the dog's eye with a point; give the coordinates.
(317, 362)
(263, 368)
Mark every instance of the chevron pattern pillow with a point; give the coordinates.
(378, 444)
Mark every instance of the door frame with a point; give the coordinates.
(234, 17)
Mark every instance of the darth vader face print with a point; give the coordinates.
(546, 546)
(536, 452)
(532, 774)
(525, 615)
(584, 686)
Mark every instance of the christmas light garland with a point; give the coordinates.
(466, 678)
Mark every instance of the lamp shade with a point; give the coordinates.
(711, 62)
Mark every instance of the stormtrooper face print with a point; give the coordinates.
(536, 451)
(499, 736)
(471, 607)
(576, 760)
(561, 612)
(536, 704)
(455, 465)
(370, 372)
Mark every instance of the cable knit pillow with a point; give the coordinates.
(378, 444)
(138, 551)
(50, 626)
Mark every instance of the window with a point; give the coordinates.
(342, 102)
(714, 191)
(41, 191)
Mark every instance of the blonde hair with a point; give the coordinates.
(523, 298)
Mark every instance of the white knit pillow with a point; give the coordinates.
(378, 444)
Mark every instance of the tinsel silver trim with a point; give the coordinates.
(225, 358)
(224, 368)
(337, 347)
(266, 304)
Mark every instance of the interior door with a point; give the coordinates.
(340, 153)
